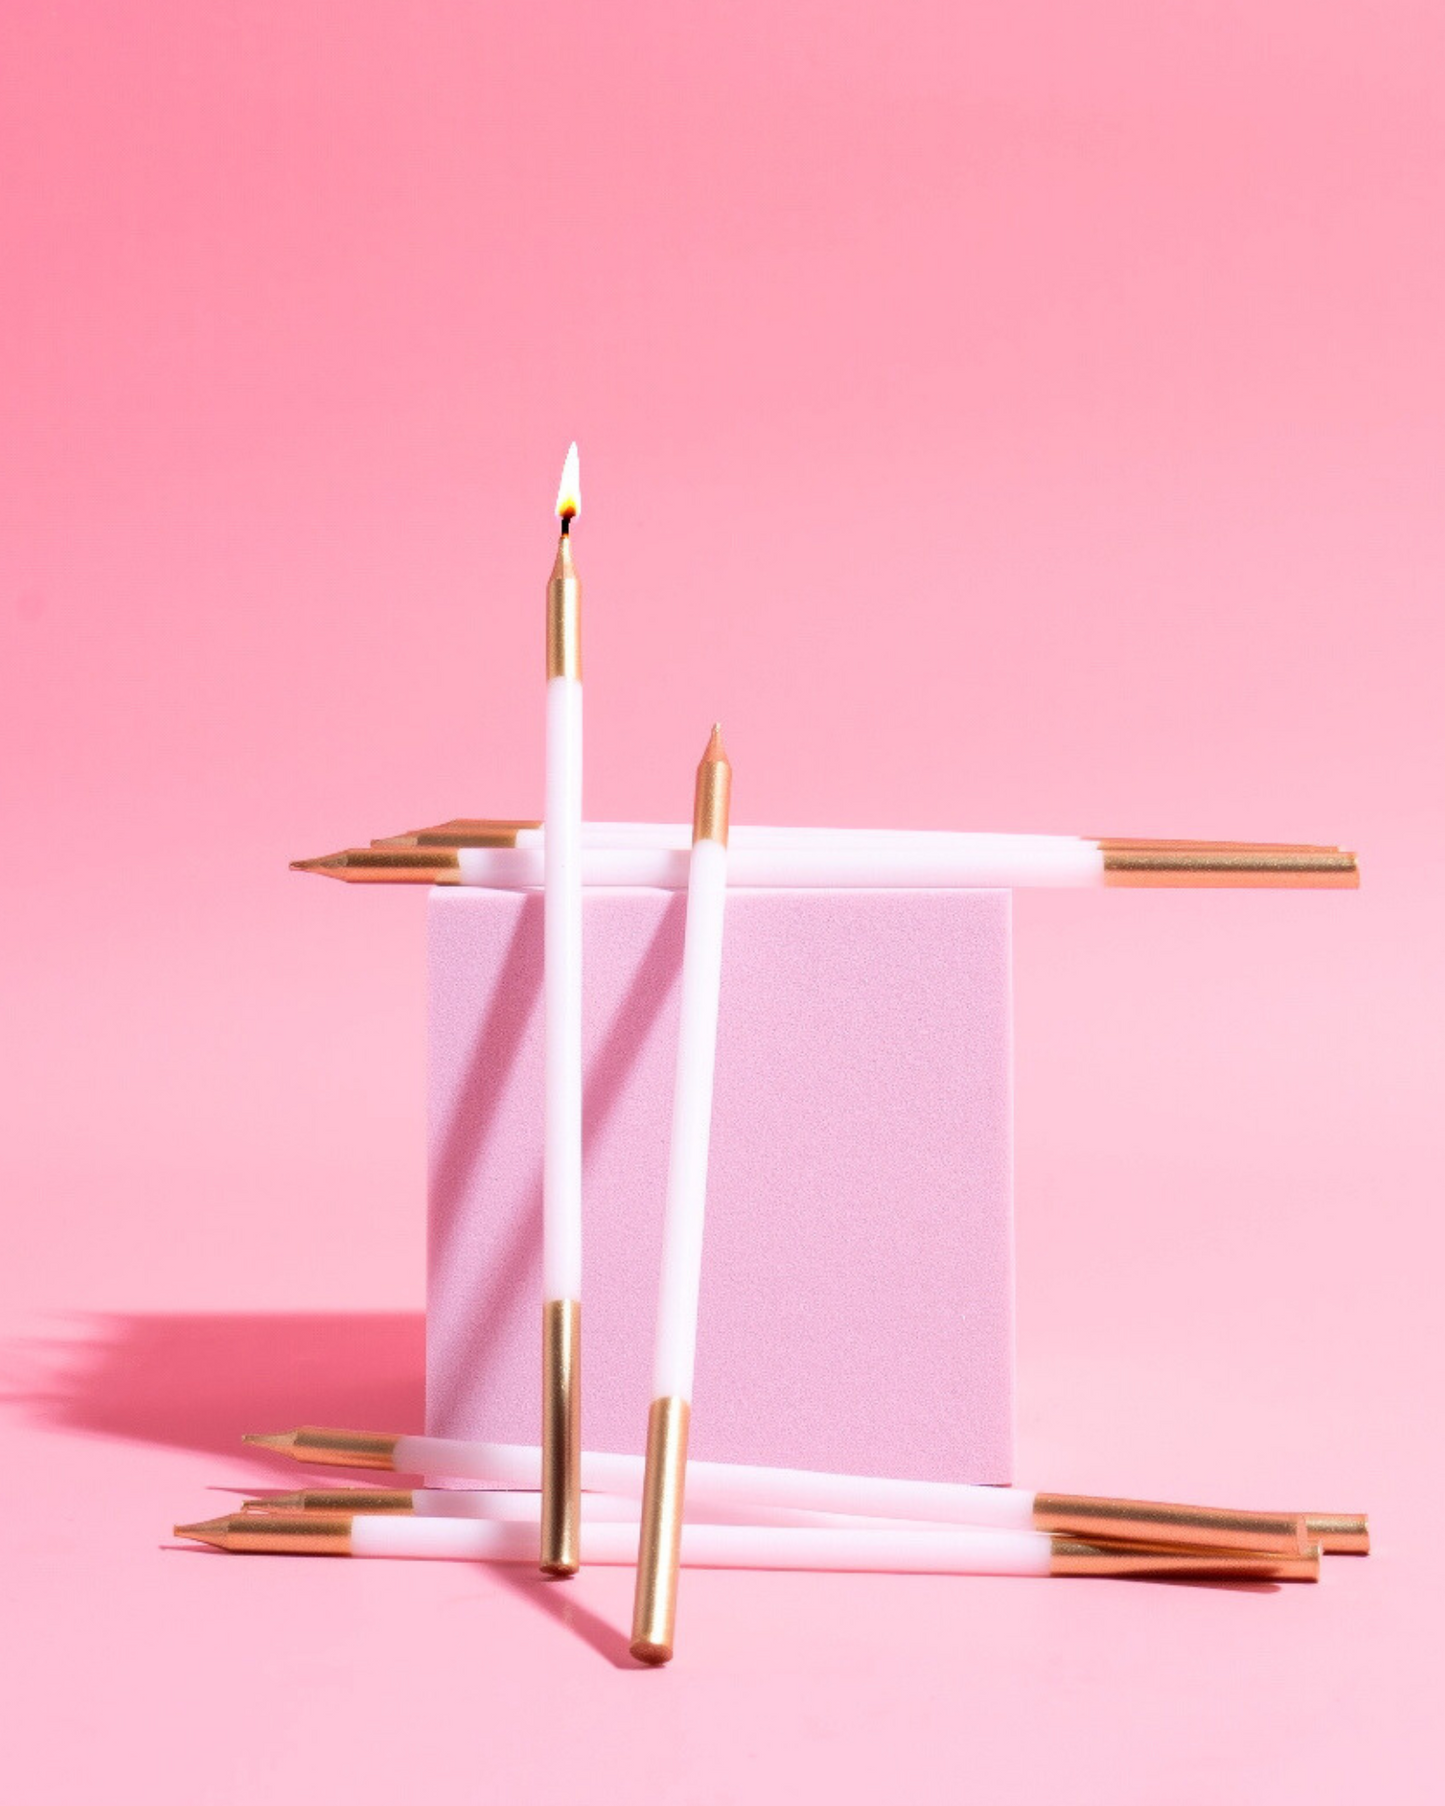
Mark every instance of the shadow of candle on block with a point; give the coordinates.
(200, 1381)
(511, 1277)
(509, 1281)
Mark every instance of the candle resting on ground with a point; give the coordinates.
(915, 1550)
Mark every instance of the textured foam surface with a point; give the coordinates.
(857, 1286)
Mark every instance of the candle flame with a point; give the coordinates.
(569, 491)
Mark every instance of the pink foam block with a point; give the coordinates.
(857, 1293)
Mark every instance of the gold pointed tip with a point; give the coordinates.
(284, 1440)
(275, 1501)
(716, 751)
(214, 1531)
(328, 862)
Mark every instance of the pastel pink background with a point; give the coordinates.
(1020, 416)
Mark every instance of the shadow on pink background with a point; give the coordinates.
(1020, 417)
(202, 1381)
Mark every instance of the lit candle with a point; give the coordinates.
(562, 1150)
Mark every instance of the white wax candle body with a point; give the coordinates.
(1023, 862)
(681, 1268)
(717, 1483)
(676, 837)
(559, 869)
(498, 1506)
(921, 1551)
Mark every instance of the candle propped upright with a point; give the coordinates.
(569, 490)
(561, 1519)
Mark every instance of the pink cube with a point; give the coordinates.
(857, 1291)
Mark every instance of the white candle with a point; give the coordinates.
(720, 1484)
(562, 1110)
(984, 864)
(654, 1606)
(524, 1507)
(655, 856)
(885, 1551)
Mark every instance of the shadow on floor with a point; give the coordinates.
(199, 1381)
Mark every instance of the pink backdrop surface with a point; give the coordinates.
(1017, 416)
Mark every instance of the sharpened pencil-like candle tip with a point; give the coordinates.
(212, 1531)
(569, 490)
(284, 1440)
(712, 799)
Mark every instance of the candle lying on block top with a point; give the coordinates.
(722, 1484)
(471, 831)
(847, 859)
(914, 1550)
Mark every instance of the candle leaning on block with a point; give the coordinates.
(654, 1606)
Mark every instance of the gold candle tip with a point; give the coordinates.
(275, 1533)
(333, 1448)
(564, 612)
(284, 1440)
(367, 1501)
(212, 1531)
(712, 794)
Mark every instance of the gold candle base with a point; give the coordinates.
(1244, 868)
(1186, 1526)
(561, 1437)
(1339, 1532)
(1119, 1563)
(654, 1609)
